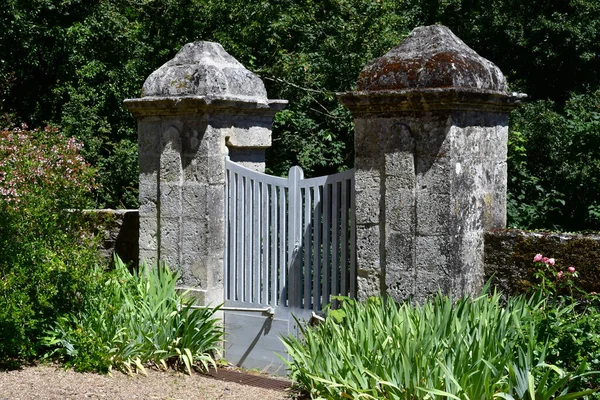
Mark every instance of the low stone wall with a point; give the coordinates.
(508, 257)
(121, 232)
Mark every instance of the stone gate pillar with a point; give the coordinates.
(194, 109)
(431, 130)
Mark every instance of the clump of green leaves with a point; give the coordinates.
(469, 349)
(571, 327)
(136, 319)
(554, 165)
(46, 250)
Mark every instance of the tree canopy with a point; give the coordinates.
(70, 64)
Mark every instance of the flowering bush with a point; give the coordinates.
(42, 162)
(569, 336)
(46, 250)
(552, 278)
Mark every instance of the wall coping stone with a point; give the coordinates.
(185, 105)
(394, 102)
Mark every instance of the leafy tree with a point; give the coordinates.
(70, 63)
(554, 165)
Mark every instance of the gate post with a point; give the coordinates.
(431, 130)
(192, 110)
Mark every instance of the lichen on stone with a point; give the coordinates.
(431, 57)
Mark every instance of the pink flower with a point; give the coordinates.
(551, 261)
(545, 260)
(538, 257)
(559, 275)
(571, 269)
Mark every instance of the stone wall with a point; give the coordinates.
(508, 257)
(120, 232)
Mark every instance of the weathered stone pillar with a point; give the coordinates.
(431, 129)
(194, 109)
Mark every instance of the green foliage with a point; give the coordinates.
(72, 62)
(136, 319)
(472, 348)
(571, 323)
(554, 165)
(580, 251)
(45, 251)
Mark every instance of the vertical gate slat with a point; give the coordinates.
(282, 247)
(247, 240)
(344, 239)
(326, 242)
(352, 242)
(264, 243)
(307, 229)
(255, 243)
(228, 245)
(273, 242)
(317, 249)
(294, 214)
(335, 267)
(239, 226)
(226, 279)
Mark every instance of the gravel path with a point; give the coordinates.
(52, 383)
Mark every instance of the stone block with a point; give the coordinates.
(468, 254)
(148, 236)
(368, 285)
(368, 248)
(170, 239)
(399, 252)
(498, 210)
(149, 133)
(194, 271)
(251, 137)
(194, 236)
(435, 174)
(148, 196)
(170, 137)
(253, 159)
(433, 212)
(400, 285)
(368, 164)
(195, 170)
(400, 213)
(432, 254)
(149, 256)
(170, 200)
(368, 206)
(400, 167)
(215, 200)
(192, 136)
(431, 137)
(171, 168)
(427, 284)
(149, 164)
(215, 169)
(367, 179)
(193, 204)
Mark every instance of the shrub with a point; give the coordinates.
(133, 320)
(473, 348)
(554, 165)
(46, 251)
(572, 330)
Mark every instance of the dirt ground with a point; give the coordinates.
(52, 383)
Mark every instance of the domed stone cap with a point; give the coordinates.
(431, 57)
(204, 69)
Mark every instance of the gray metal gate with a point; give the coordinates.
(289, 247)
